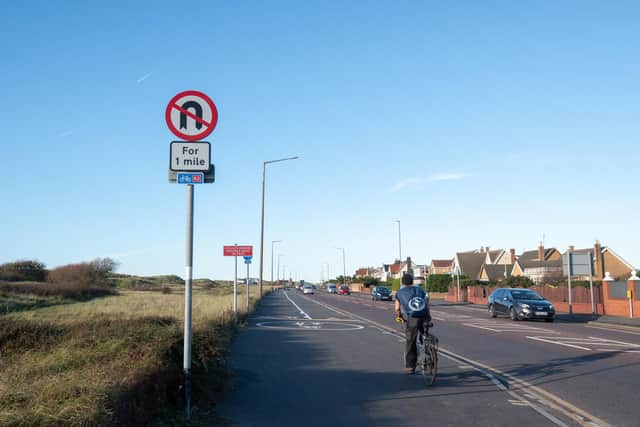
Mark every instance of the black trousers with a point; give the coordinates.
(414, 326)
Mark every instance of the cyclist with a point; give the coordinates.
(412, 308)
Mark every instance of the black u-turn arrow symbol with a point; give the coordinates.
(198, 112)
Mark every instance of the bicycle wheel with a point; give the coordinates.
(429, 365)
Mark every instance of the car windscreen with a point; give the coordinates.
(382, 289)
(526, 295)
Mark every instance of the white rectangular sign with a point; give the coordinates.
(190, 156)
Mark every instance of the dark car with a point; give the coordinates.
(520, 304)
(344, 290)
(380, 293)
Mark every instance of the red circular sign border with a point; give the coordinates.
(214, 115)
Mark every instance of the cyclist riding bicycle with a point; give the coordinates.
(412, 308)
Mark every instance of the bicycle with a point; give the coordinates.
(427, 345)
(428, 355)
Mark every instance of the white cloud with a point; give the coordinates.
(447, 176)
(406, 183)
(143, 78)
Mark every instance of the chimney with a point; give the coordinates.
(481, 249)
(572, 248)
(540, 252)
(598, 260)
(512, 252)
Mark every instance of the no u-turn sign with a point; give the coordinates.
(191, 115)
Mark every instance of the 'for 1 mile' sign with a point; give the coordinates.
(190, 156)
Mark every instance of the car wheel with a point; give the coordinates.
(492, 311)
(513, 314)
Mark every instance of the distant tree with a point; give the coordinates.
(369, 281)
(23, 271)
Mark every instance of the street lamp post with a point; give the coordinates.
(399, 241)
(278, 275)
(264, 169)
(272, 243)
(344, 266)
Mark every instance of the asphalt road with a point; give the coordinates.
(320, 360)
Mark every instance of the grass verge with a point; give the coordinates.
(111, 361)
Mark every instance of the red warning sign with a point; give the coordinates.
(191, 115)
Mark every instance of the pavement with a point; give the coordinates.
(336, 360)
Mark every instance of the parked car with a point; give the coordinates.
(344, 290)
(380, 293)
(307, 289)
(520, 304)
(332, 289)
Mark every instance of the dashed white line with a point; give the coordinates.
(305, 315)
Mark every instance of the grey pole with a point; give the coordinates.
(458, 276)
(399, 242)
(235, 287)
(272, 249)
(187, 303)
(593, 305)
(264, 168)
(569, 271)
(247, 289)
(344, 267)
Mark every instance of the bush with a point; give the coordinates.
(395, 284)
(82, 293)
(370, 281)
(438, 282)
(517, 282)
(23, 271)
(83, 275)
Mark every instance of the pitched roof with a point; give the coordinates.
(493, 255)
(496, 271)
(533, 255)
(471, 263)
(395, 267)
(534, 263)
(441, 263)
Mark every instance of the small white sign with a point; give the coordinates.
(190, 156)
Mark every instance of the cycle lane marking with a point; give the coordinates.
(542, 397)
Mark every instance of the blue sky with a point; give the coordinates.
(474, 123)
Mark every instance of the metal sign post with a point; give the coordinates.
(191, 116)
(235, 287)
(187, 302)
(247, 260)
(236, 251)
(570, 256)
(593, 304)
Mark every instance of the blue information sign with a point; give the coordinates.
(247, 259)
(190, 178)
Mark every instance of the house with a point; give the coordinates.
(539, 265)
(383, 274)
(469, 263)
(364, 272)
(604, 260)
(495, 272)
(506, 257)
(441, 266)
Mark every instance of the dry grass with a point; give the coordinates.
(110, 361)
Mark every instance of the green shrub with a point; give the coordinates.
(23, 271)
(517, 282)
(395, 284)
(370, 281)
(438, 282)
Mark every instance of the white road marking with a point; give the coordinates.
(560, 405)
(613, 329)
(559, 343)
(305, 315)
(587, 343)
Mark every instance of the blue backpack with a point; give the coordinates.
(414, 304)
